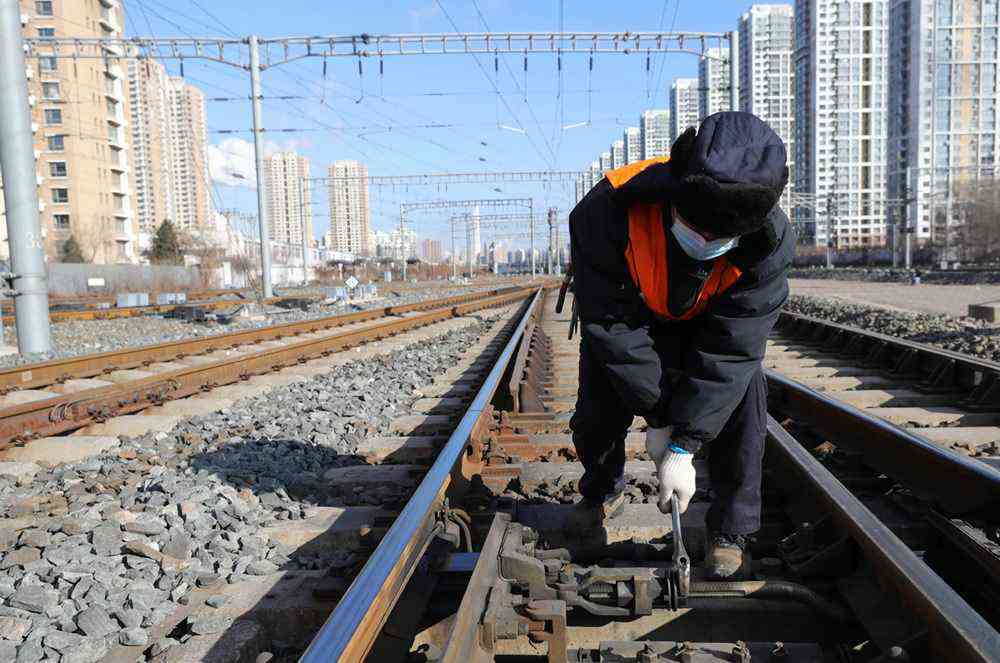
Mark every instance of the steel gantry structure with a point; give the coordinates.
(497, 221)
(430, 179)
(463, 204)
(255, 55)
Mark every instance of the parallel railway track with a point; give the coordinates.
(878, 543)
(55, 397)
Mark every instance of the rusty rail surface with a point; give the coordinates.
(352, 628)
(68, 412)
(85, 366)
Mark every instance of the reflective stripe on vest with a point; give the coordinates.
(646, 253)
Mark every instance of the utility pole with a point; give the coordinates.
(454, 256)
(553, 248)
(734, 78)
(531, 238)
(558, 252)
(829, 229)
(470, 243)
(402, 242)
(258, 149)
(305, 234)
(20, 187)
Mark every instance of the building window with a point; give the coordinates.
(46, 33)
(60, 195)
(43, 7)
(60, 221)
(53, 116)
(57, 168)
(56, 143)
(48, 63)
(50, 90)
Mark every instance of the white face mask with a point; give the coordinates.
(697, 246)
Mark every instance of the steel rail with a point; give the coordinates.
(48, 372)
(915, 461)
(962, 361)
(136, 311)
(68, 412)
(352, 628)
(956, 631)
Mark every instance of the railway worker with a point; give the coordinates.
(680, 271)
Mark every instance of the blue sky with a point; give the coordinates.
(381, 120)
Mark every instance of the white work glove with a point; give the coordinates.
(674, 469)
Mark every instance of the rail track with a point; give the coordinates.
(879, 543)
(55, 397)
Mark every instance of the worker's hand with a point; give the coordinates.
(674, 469)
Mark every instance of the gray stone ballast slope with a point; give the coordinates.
(100, 551)
(965, 335)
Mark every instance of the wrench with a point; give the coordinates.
(682, 563)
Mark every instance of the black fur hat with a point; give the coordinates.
(731, 173)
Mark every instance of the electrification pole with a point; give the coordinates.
(305, 233)
(829, 230)
(734, 55)
(258, 149)
(20, 188)
(402, 242)
(553, 248)
(454, 256)
(531, 238)
(906, 212)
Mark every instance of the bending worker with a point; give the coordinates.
(680, 271)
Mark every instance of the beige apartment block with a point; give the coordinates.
(81, 134)
(286, 178)
(350, 219)
(169, 145)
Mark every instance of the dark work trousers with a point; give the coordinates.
(600, 424)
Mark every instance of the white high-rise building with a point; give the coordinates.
(714, 82)
(767, 85)
(684, 100)
(654, 133)
(943, 97)
(350, 219)
(288, 209)
(606, 161)
(618, 153)
(842, 84)
(633, 145)
(169, 149)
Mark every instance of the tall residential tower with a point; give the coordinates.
(349, 215)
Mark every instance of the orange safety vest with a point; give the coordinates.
(646, 253)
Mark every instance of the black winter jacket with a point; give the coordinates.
(700, 369)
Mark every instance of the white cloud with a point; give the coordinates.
(231, 163)
(421, 14)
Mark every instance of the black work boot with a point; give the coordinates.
(592, 510)
(725, 555)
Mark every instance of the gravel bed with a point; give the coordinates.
(80, 337)
(965, 335)
(98, 552)
(898, 275)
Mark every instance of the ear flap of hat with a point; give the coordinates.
(682, 149)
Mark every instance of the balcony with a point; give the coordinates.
(108, 20)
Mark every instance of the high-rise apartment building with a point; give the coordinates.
(684, 101)
(943, 98)
(81, 132)
(349, 213)
(168, 147)
(618, 153)
(633, 145)
(430, 250)
(714, 82)
(605, 161)
(842, 80)
(766, 81)
(654, 133)
(286, 179)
